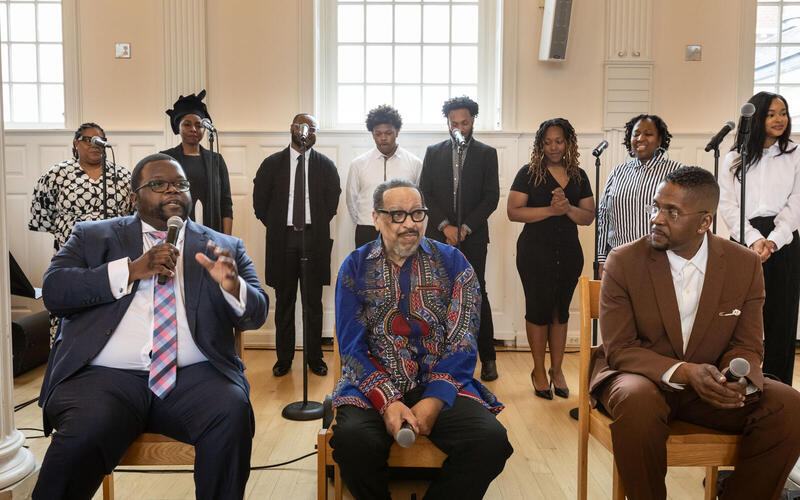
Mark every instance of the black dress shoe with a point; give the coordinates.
(545, 394)
(318, 367)
(560, 392)
(489, 370)
(281, 368)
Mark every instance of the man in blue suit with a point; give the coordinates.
(135, 355)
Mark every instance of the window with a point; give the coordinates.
(33, 63)
(777, 64)
(412, 54)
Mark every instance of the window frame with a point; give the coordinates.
(490, 57)
(779, 44)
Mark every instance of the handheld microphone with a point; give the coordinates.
(738, 368)
(207, 124)
(596, 152)
(405, 437)
(174, 225)
(99, 142)
(304, 132)
(459, 137)
(717, 139)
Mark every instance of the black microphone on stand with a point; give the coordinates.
(99, 142)
(304, 130)
(717, 139)
(174, 225)
(459, 137)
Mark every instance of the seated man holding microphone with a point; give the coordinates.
(406, 319)
(680, 311)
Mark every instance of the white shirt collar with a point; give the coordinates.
(296, 154)
(677, 263)
(147, 228)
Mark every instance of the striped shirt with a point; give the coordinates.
(621, 217)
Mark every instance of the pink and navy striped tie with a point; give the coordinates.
(164, 360)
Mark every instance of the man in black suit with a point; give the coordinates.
(277, 203)
(480, 192)
(135, 355)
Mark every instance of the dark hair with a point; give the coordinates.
(383, 114)
(136, 175)
(78, 134)
(699, 181)
(758, 132)
(537, 170)
(377, 196)
(663, 133)
(462, 102)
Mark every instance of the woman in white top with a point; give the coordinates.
(772, 217)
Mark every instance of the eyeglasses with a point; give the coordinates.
(163, 186)
(673, 213)
(399, 216)
(87, 140)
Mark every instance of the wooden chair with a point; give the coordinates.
(688, 445)
(156, 449)
(423, 453)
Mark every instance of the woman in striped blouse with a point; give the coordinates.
(630, 186)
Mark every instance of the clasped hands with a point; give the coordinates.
(451, 234)
(764, 248)
(559, 204)
(420, 417)
(162, 259)
(711, 385)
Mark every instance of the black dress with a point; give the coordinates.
(549, 255)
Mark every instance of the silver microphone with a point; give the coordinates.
(304, 131)
(207, 124)
(174, 225)
(460, 141)
(748, 109)
(738, 368)
(596, 152)
(99, 142)
(405, 436)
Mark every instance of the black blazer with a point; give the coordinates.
(217, 203)
(76, 289)
(479, 184)
(271, 204)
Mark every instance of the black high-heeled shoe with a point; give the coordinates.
(560, 392)
(545, 394)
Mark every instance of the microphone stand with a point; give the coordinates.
(105, 187)
(213, 191)
(596, 264)
(459, 167)
(716, 178)
(743, 173)
(305, 409)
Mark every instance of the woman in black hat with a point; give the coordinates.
(206, 171)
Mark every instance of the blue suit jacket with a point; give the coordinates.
(76, 288)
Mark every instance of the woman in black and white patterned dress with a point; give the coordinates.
(73, 191)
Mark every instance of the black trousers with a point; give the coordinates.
(98, 412)
(475, 252)
(365, 234)
(782, 285)
(476, 445)
(286, 297)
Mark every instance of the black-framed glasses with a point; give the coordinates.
(163, 186)
(87, 140)
(673, 213)
(399, 216)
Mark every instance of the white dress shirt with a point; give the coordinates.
(130, 345)
(688, 277)
(773, 189)
(293, 156)
(372, 168)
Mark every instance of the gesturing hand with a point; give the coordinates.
(711, 386)
(160, 259)
(223, 270)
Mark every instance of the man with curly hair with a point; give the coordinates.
(387, 161)
(480, 192)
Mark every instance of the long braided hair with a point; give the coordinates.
(537, 169)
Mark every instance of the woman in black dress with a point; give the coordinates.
(551, 195)
(205, 170)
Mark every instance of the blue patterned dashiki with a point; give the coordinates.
(403, 327)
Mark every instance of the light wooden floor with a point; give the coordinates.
(543, 435)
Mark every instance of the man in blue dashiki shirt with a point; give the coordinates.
(406, 318)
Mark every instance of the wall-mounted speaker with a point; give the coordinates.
(555, 30)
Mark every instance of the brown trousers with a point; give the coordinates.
(641, 412)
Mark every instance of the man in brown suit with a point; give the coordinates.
(675, 308)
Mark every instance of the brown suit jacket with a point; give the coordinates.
(640, 322)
